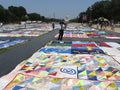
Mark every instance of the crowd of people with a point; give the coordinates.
(103, 25)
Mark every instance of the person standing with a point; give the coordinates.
(113, 26)
(97, 25)
(53, 25)
(1, 24)
(61, 31)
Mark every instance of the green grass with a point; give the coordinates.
(3, 50)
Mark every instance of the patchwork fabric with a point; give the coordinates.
(7, 43)
(57, 43)
(53, 67)
(91, 67)
(86, 50)
(30, 30)
(111, 51)
(103, 44)
(26, 82)
(99, 73)
(56, 50)
(76, 47)
(84, 44)
(84, 32)
(113, 44)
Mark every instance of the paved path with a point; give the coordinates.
(11, 58)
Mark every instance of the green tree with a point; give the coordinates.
(105, 8)
(80, 17)
(89, 13)
(115, 10)
(16, 14)
(19, 12)
(34, 16)
(2, 13)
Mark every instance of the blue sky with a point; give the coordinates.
(61, 8)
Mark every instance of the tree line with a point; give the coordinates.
(17, 14)
(109, 9)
